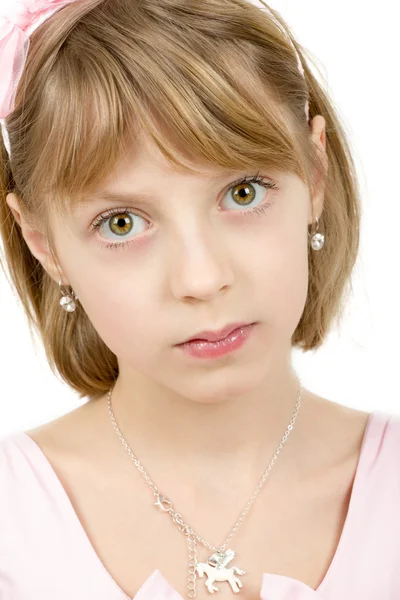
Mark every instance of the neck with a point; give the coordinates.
(193, 438)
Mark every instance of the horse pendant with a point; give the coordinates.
(216, 570)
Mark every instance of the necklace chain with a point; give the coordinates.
(166, 505)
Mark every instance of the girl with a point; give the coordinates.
(174, 171)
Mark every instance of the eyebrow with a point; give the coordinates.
(115, 197)
(118, 197)
(100, 197)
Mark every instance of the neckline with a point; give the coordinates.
(375, 417)
(93, 557)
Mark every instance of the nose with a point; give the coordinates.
(201, 266)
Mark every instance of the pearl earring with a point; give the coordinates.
(67, 301)
(317, 239)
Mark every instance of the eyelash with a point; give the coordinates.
(260, 210)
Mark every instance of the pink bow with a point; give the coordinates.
(20, 21)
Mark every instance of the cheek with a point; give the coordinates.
(291, 290)
(280, 273)
(120, 295)
(120, 304)
(123, 317)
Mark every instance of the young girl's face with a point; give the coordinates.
(191, 253)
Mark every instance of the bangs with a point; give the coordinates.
(197, 89)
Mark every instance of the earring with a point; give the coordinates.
(317, 239)
(67, 301)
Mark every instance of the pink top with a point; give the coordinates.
(45, 552)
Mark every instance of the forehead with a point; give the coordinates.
(142, 156)
(128, 190)
(142, 169)
(142, 173)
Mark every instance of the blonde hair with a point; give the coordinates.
(219, 78)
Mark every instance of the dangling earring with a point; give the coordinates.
(317, 239)
(67, 301)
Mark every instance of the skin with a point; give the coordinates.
(195, 265)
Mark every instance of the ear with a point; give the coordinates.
(35, 240)
(318, 136)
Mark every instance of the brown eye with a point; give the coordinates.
(243, 193)
(249, 191)
(121, 224)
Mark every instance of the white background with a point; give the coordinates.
(357, 50)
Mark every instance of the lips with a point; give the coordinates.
(216, 336)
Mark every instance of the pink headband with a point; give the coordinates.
(18, 21)
(22, 18)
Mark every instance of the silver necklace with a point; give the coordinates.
(216, 568)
